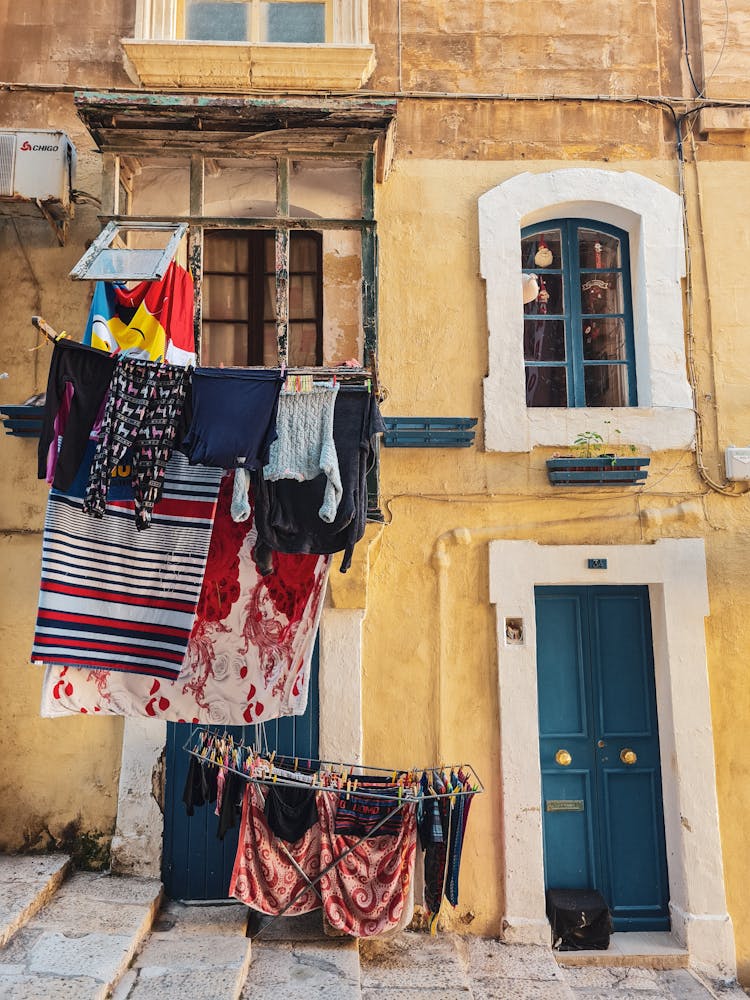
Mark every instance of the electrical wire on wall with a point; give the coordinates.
(701, 91)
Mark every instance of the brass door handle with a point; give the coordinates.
(628, 756)
(563, 758)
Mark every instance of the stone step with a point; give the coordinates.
(294, 959)
(27, 882)
(81, 942)
(194, 953)
(636, 950)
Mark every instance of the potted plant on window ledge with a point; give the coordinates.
(597, 462)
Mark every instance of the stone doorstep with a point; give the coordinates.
(27, 883)
(646, 950)
(193, 951)
(86, 931)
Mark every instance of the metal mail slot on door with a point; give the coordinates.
(563, 805)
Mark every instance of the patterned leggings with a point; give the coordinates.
(141, 415)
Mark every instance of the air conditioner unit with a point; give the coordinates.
(37, 170)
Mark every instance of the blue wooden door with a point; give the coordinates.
(196, 865)
(599, 746)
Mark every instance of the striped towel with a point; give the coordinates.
(114, 598)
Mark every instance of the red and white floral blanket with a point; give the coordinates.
(263, 876)
(366, 892)
(248, 658)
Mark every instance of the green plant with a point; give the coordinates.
(591, 444)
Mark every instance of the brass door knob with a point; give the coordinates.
(563, 758)
(628, 756)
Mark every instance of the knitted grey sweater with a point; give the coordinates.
(304, 447)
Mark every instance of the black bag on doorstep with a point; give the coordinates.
(580, 919)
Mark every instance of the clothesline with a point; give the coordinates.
(212, 752)
(342, 373)
(434, 800)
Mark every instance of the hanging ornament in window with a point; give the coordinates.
(543, 297)
(597, 255)
(543, 257)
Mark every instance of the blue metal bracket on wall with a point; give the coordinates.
(23, 421)
(429, 432)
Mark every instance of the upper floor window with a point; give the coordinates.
(601, 337)
(578, 329)
(239, 299)
(289, 21)
(217, 45)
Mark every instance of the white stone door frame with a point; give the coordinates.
(139, 832)
(675, 572)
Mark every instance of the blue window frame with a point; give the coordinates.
(578, 327)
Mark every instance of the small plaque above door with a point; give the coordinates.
(564, 805)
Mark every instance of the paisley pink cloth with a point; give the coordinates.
(366, 892)
(263, 876)
(249, 654)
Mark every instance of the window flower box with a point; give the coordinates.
(602, 470)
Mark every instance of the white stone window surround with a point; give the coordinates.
(675, 572)
(651, 214)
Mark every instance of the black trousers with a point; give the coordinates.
(90, 372)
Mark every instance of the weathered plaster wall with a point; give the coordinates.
(506, 46)
(72, 787)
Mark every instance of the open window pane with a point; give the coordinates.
(161, 186)
(240, 188)
(216, 22)
(606, 385)
(546, 386)
(133, 251)
(329, 189)
(285, 23)
(342, 297)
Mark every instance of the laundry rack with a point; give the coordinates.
(215, 748)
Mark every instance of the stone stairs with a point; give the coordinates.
(68, 935)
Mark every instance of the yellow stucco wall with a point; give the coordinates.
(433, 359)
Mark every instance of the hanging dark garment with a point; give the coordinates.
(359, 815)
(437, 833)
(233, 417)
(290, 812)
(459, 819)
(89, 372)
(231, 803)
(286, 512)
(200, 785)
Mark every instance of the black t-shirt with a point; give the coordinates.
(286, 511)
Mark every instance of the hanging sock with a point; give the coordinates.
(240, 508)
